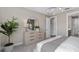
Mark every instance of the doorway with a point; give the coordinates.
(51, 27)
(74, 26)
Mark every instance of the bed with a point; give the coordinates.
(59, 44)
(70, 45)
(49, 45)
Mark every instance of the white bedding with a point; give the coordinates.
(70, 45)
(48, 45)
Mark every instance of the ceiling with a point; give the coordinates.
(51, 10)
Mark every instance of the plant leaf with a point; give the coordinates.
(3, 32)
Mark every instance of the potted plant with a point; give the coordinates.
(37, 28)
(7, 29)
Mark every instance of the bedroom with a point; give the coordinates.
(51, 22)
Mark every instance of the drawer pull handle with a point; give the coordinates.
(31, 39)
(31, 36)
(31, 33)
(40, 38)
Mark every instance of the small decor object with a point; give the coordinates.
(37, 28)
(8, 28)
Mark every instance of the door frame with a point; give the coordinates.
(67, 18)
(55, 18)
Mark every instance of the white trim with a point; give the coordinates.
(17, 44)
(56, 24)
(55, 18)
(47, 27)
(69, 14)
(67, 24)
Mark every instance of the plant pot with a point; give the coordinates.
(8, 47)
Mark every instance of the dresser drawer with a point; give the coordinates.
(31, 33)
(32, 37)
(30, 41)
(29, 37)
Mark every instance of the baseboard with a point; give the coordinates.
(17, 44)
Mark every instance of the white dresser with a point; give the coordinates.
(31, 37)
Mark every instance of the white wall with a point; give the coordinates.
(22, 14)
(61, 24)
(69, 22)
